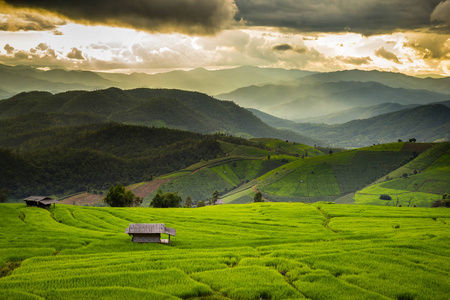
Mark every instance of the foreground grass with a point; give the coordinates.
(267, 250)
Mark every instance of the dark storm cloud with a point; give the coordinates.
(186, 16)
(366, 17)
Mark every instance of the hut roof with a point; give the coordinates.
(37, 198)
(48, 201)
(145, 228)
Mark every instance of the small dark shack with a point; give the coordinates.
(40, 201)
(149, 233)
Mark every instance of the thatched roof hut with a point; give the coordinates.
(40, 201)
(150, 233)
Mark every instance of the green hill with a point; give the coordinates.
(64, 160)
(266, 250)
(419, 182)
(303, 99)
(426, 123)
(357, 113)
(150, 107)
(333, 176)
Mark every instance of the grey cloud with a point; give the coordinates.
(26, 20)
(287, 47)
(20, 55)
(382, 52)
(187, 16)
(358, 61)
(283, 47)
(9, 49)
(42, 46)
(366, 17)
(75, 54)
(442, 13)
(430, 46)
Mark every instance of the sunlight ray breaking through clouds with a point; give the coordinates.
(392, 36)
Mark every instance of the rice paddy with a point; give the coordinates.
(252, 251)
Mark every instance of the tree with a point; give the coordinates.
(200, 203)
(4, 195)
(188, 201)
(399, 140)
(330, 152)
(258, 197)
(118, 196)
(165, 200)
(215, 197)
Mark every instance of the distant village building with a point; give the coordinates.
(149, 233)
(218, 202)
(40, 201)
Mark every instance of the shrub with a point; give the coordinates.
(385, 197)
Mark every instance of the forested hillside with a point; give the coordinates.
(149, 107)
(64, 160)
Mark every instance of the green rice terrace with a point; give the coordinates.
(251, 251)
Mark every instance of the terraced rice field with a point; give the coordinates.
(420, 182)
(331, 176)
(252, 251)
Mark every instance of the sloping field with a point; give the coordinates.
(83, 199)
(253, 251)
(223, 175)
(328, 177)
(420, 182)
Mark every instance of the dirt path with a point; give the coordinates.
(264, 198)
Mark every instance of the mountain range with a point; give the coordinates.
(16, 79)
(425, 123)
(306, 100)
(177, 109)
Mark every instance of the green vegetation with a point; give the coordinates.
(175, 109)
(419, 182)
(223, 175)
(66, 160)
(261, 250)
(329, 177)
(165, 200)
(119, 197)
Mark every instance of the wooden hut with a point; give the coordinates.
(149, 233)
(40, 201)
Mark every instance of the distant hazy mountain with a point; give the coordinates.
(304, 100)
(395, 80)
(16, 79)
(150, 107)
(209, 82)
(426, 123)
(272, 120)
(357, 113)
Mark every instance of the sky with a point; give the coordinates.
(407, 36)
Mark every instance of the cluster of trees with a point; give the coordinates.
(258, 197)
(118, 196)
(444, 202)
(165, 200)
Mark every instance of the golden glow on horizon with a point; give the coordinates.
(126, 50)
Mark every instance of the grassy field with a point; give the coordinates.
(252, 251)
(329, 177)
(224, 174)
(420, 182)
